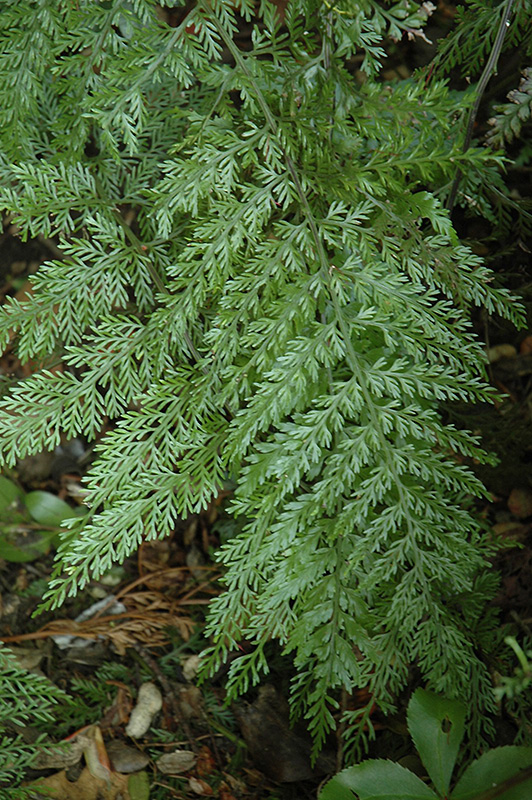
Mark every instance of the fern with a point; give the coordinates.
(259, 282)
(470, 43)
(25, 697)
(510, 117)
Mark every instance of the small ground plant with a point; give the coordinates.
(257, 280)
(437, 728)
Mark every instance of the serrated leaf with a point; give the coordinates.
(46, 508)
(492, 769)
(437, 727)
(377, 779)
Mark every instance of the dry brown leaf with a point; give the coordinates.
(525, 347)
(118, 713)
(95, 754)
(200, 787)
(206, 763)
(87, 787)
(224, 792)
(280, 751)
(512, 530)
(190, 702)
(60, 757)
(177, 762)
(499, 351)
(237, 786)
(520, 502)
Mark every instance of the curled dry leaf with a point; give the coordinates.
(61, 756)
(149, 702)
(95, 754)
(119, 712)
(200, 787)
(238, 786)
(224, 792)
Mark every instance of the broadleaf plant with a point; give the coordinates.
(255, 279)
(437, 729)
(20, 538)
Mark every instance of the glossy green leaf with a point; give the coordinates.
(491, 770)
(24, 546)
(437, 727)
(9, 493)
(376, 780)
(47, 509)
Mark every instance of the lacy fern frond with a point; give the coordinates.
(259, 282)
(470, 42)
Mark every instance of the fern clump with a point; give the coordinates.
(25, 698)
(259, 281)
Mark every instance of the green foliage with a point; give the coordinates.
(24, 698)
(259, 283)
(469, 47)
(470, 43)
(517, 684)
(510, 127)
(514, 691)
(87, 699)
(20, 538)
(510, 117)
(221, 715)
(437, 728)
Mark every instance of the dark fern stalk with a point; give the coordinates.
(477, 54)
(489, 69)
(259, 282)
(473, 39)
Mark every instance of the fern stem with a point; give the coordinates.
(488, 71)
